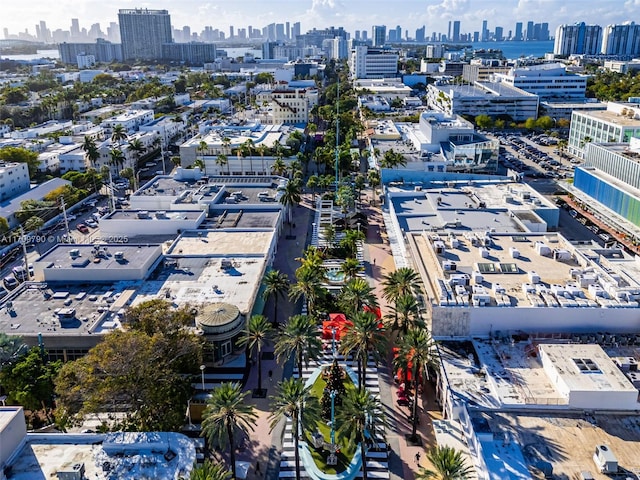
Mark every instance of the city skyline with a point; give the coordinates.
(352, 15)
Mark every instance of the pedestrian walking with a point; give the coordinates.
(257, 468)
(418, 457)
(374, 261)
(270, 375)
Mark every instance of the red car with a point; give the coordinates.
(81, 227)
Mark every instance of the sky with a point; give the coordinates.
(351, 14)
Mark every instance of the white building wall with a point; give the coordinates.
(481, 321)
(130, 227)
(14, 180)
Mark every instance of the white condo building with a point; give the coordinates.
(578, 39)
(549, 80)
(14, 179)
(366, 62)
(621, 39)
(288, 105)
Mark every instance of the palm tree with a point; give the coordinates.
(137, 147)
(350, 241)
(255, 336)
(276, 284)
(118, 134)
(290, 197)
(202, 147)
(91, 150)
(262, 149)
(329, 233)
(221, 161)
(357, 293)
(373, 177)
(312, 183)
(226, 143)
(210, 471)
(226, 415)
(351, 267)
(407, 308)
(300, 338)
(403, 281)
(308, 284)
(279, 167)
(311, 258)
(117, 158)
(365, 335)
(448, 464)
(295, 401)
(11, 347)
(248, 145)
(417, 352)
(357, 418)
(393, 159)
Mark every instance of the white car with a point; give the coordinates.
(89, 222)
(71, 216)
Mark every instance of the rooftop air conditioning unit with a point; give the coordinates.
(118, 255)
(74, 253)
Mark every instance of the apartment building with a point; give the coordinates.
(143, 32)
(14, 179)
(130, 120)
(578, 39)
(621, 40)
(366, 62)
(288, 105)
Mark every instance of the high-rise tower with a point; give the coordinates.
(143, 31)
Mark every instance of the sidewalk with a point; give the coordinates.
(402, 459)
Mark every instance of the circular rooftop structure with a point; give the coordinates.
(220, 319)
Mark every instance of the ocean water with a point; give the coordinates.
(34, 56)
(512, 50)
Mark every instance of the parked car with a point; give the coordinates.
(81, 227)
(10, 282)
(90, 222)
(20, 273)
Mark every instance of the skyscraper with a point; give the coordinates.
(295, 30)
(420, 34)
(499, 36)
(530, 32)
(143, 31)
(578, 39)
(621, 39)
(518, 35)
(456, 31)
(484, 34)
(379, 35)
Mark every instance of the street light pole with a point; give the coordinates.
(202, 367)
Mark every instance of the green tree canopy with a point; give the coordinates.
(21, 155)
(140, 371)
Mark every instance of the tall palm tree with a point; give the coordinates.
(448, 464)
(227, 415)
(117, 158)
(91, 151)
(403, 281)
(255, 336)
(226, 143)
(279, 167)
(210, 471)
(295, 401)
(137, 147)
(221, 161)
(262, 149)
(357, 293)
(312, 183)
(201, 148)
(351, 267)
(276, 285)
(408, 309)
(350, 241)
(364, 336)
(118, 134)
(417, 352)
(248, 146)
(308, 284)
(290, 197)
(311, 258)
(300, 338)
(357, 418)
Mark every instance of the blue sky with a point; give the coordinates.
(352, 14)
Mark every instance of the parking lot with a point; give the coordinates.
(535, 156)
